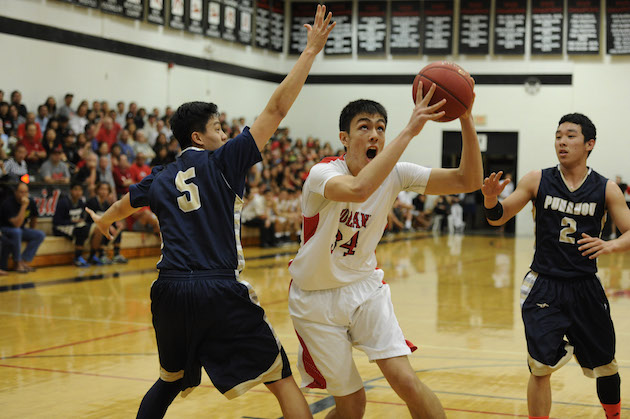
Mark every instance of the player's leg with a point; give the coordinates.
(157, 400)
(546, 322)
(290, 398)
(351, 406)
(539, 396)
(375, 331)
(420, 400)
(168, 315)
(593, 335)
(320, 319)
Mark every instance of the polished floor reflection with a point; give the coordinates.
(79, 342)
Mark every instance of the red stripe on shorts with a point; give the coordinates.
(309, 365)
(411, 345)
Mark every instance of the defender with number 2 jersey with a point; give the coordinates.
(339, 238)
(561, 216)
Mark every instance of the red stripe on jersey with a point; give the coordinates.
(309, 365)
(309, 226)
(410, 344)
(333, 158)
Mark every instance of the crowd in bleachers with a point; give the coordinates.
(95, 145)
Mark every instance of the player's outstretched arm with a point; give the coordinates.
(618, 210)
(119, 210)
(359, 188)
(469, 175)
(524, 192)
(285, 94)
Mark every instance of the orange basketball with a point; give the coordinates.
(453, 83)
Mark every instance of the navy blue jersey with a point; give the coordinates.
(68, 212)
(561, 216)
(198, 202)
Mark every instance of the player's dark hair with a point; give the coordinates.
(357, 107)
(588, 128)
(75, 183)
(191, 117)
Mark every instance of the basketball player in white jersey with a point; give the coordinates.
(338, 299)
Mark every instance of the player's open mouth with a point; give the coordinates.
(371, 153)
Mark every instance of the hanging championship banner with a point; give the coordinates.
(244, 22)
(509, 26)
(94, 4)
(213, 18)
(546, 24)
(618, 27)
(277, 25)
(113, 6)
(405, 28)
(156, 12)
(438, 28)
(340, 40)
(583, 22)
(194, 23)
(228, 31)
(372, 27)
(301, 13)
(134, 9)
(263, 24)
(178, 14)
(474, 27)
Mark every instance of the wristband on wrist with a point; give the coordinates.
(495, 213)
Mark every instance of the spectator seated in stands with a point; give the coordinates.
(54, 170)
(69, 221)
(87, 174)
(35, 152)
(16, 166)
(139, 169)
(254, 214)
(16, 210)
(142, 147)
(99, 205)
(30, 118)
(122, 176)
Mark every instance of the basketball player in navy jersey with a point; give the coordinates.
(564, 307)
(203, 314)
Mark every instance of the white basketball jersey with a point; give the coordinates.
(339, 239)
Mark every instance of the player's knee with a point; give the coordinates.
(351, 406)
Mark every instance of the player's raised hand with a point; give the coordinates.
(422, 112)
(107, 229)
(493, 186)
(319, 31)
(468, 112)
(594, 247)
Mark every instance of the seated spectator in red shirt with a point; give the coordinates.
(122, 175)
(139, 169)
(107, 132)
(30, 117)
(35, 153)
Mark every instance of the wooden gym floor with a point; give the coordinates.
(78, 343)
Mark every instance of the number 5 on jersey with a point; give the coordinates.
(187, 202)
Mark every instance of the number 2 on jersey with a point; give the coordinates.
(187, 202)
(570, 227)
(349, 245)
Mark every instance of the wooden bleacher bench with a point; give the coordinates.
(57, 250)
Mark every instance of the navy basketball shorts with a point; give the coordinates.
(216, 324)
(565, 317)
